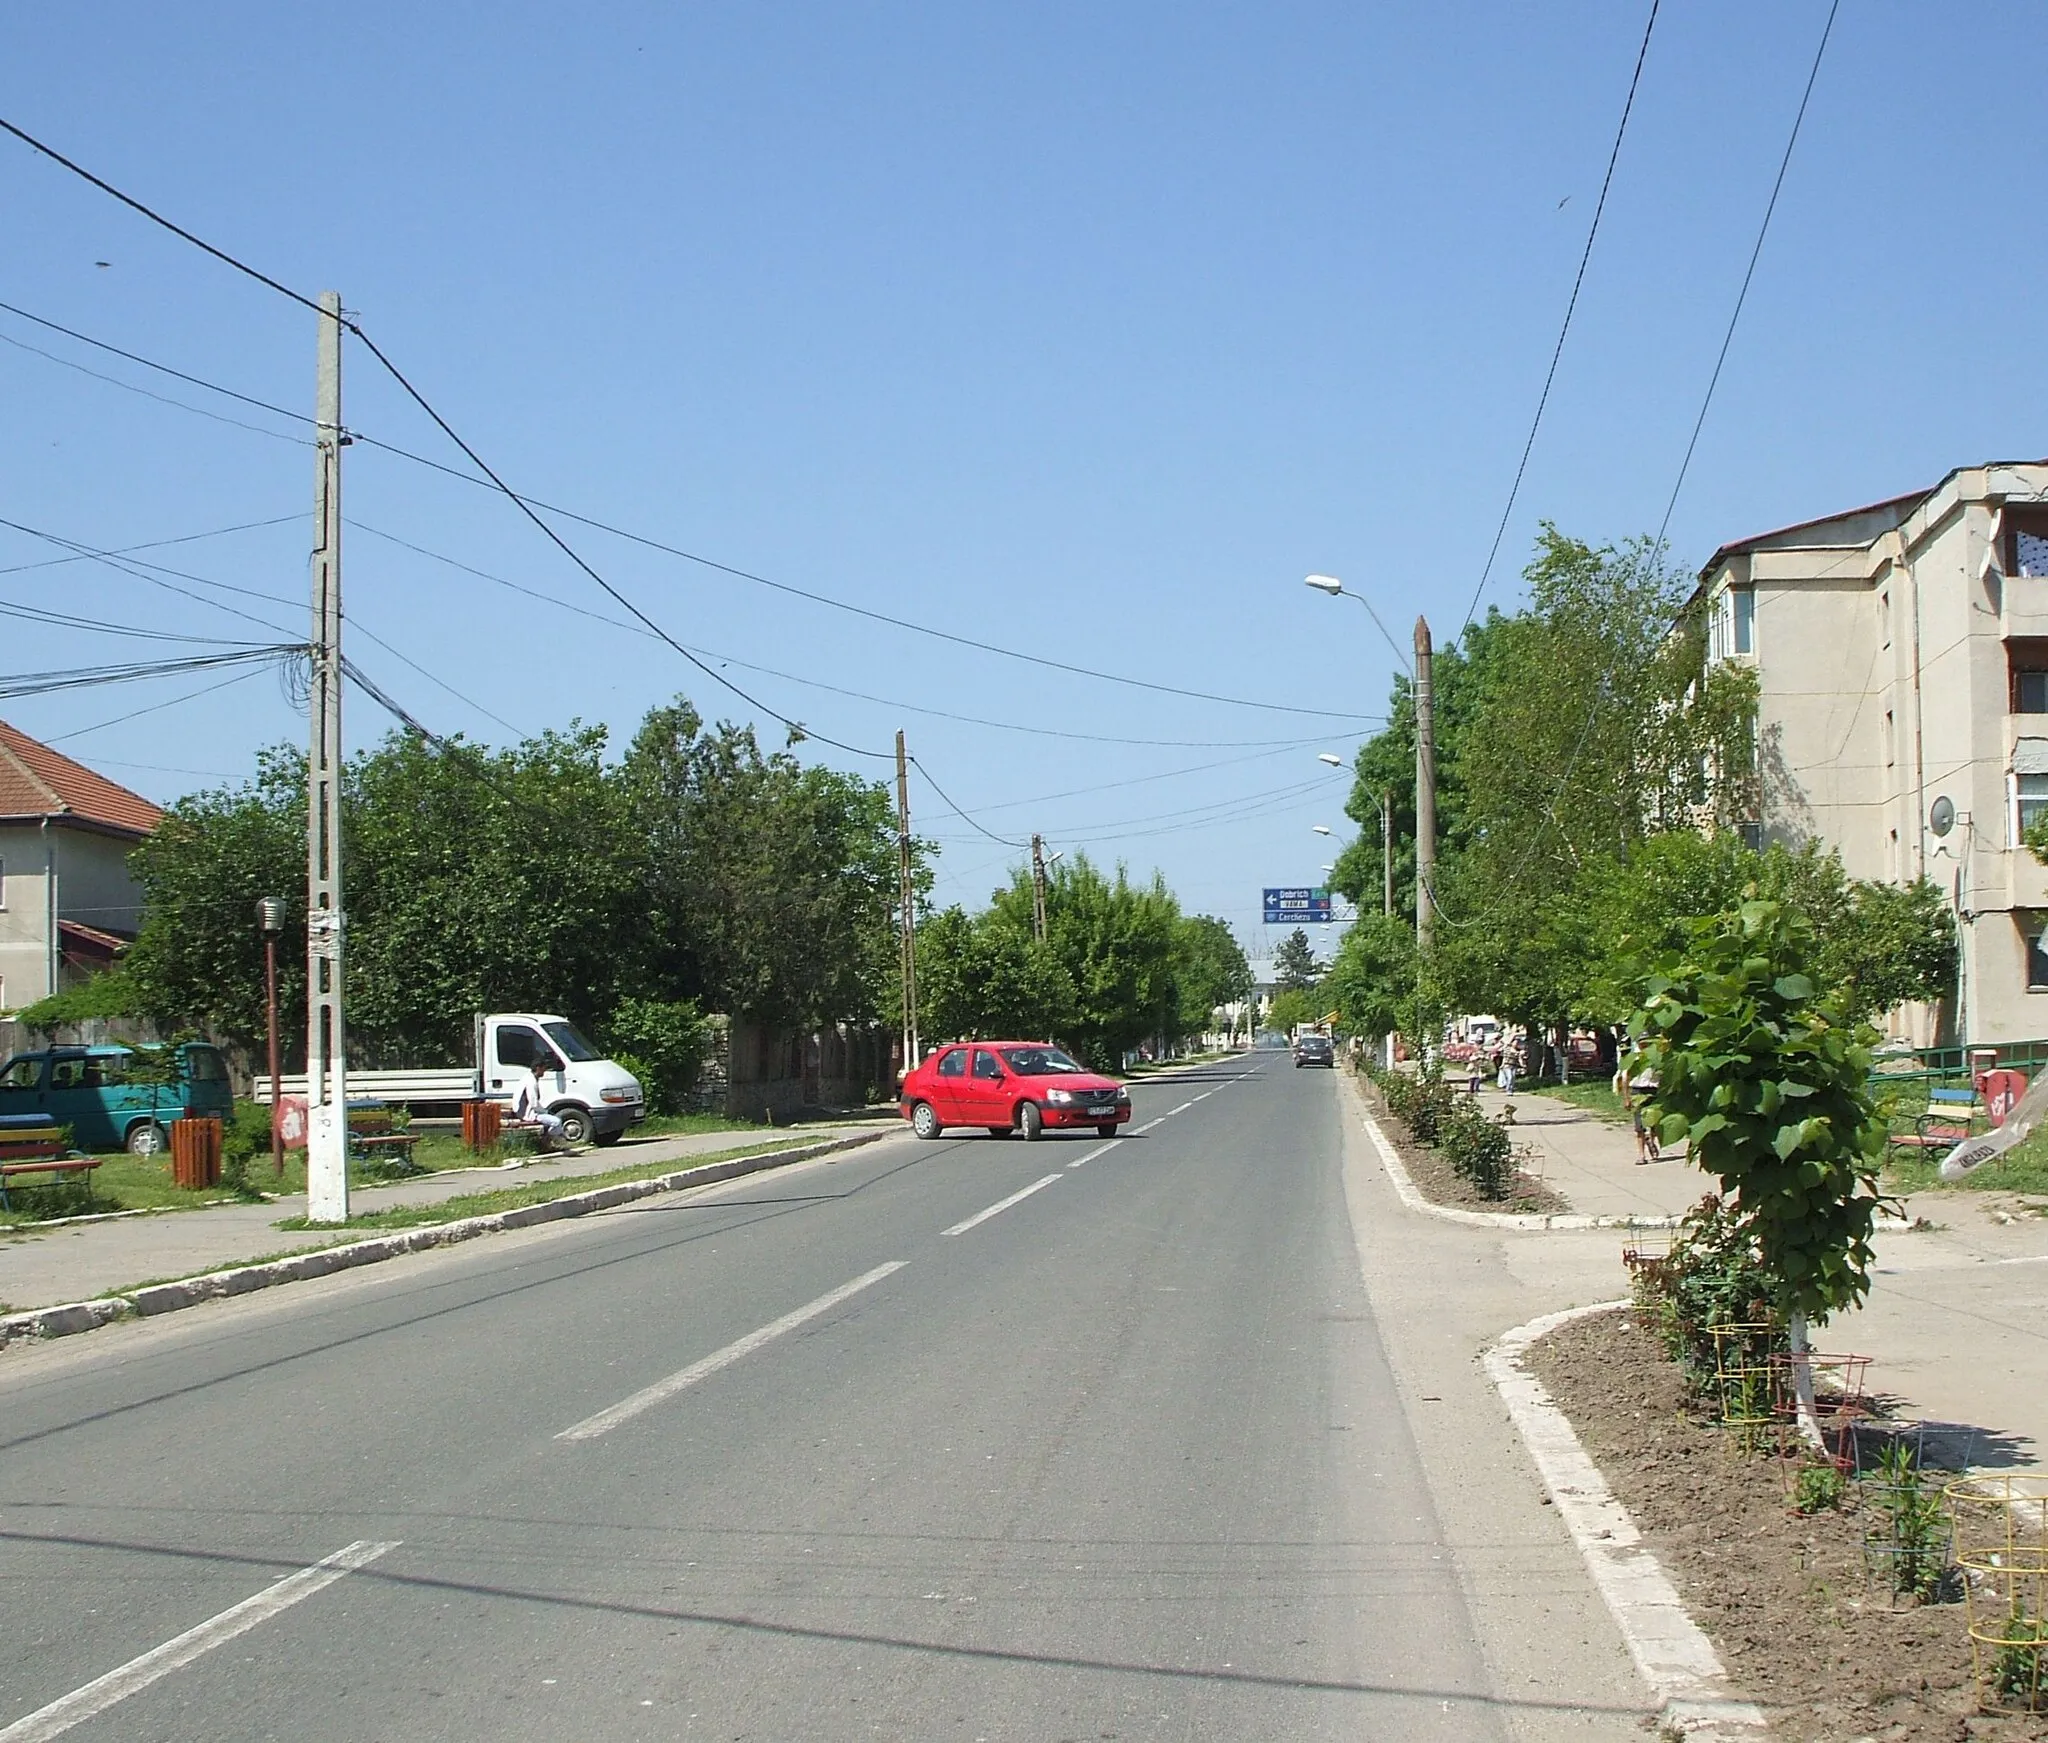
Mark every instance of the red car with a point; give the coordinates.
(1010, 1086)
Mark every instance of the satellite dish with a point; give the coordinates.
(1941, 815)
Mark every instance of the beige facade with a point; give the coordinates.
(67, 900)
(1901, 653)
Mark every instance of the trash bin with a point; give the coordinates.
(195, 1152)
(480, 1122)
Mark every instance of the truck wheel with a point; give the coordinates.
(575, 1124)
(605, 1140)
(146, 1139)
(1030, 1120)
(924, 1120)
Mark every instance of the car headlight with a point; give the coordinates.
(629, 1093)
(1059, 1097)
(1122, 1094)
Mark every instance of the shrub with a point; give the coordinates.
(245, 1135)
(666, 1040)
(1712, 1276)
(1476, 1147)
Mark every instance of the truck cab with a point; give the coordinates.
(596, 1100)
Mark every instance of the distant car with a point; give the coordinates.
(1010, 1086)
(1315, 1050)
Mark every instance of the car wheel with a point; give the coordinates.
(1030, 1120)
(924, 1120)
(1107, 1130)
(575, 1124)
(146, 1139)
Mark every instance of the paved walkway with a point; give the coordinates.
(1956, 1324)
(79, 1260)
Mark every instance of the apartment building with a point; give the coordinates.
(68, 905)
(1901, 653)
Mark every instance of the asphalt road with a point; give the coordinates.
(790, 1459)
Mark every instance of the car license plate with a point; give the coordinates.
(1103, 1112)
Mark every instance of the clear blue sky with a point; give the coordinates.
(1082, 330)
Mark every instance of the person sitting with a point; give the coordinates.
(530, 1107)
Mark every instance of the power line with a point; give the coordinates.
(62, 620)
(86, 677)
(818, 683)
(966, 818)
(531, 503)
(135, 570)
(1742, 296)
(160, 398)
(153, 708)
(152, 545)
(1543, 399)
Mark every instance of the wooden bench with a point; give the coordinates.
(1945, 1124)
(368, 1145)
(54, 1166)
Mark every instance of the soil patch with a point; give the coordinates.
(1440, 1183)
(1799, 1624)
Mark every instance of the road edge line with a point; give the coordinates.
(1523, 1222)
(69, 1318)
(1670, 1649)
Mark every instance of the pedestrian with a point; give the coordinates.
(1509, 1063)
(1635, 1089)
(530, 1108)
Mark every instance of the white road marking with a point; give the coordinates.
(1099, 1150)
(982, 1216)
(138, 1673)
(1149, 1124)
(649, 1396)
(1183, 1108)
(1204, 1096)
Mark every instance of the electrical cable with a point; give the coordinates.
(135, 568)
(85, 677)
(837, 689)
(62, 620)
(1543, 399)
(1742, 296)
(160, 398)
(153, 545)
(1601, 690)
(154, 708)
(946, 799)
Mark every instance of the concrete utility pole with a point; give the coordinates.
(1387, 851)
(326, 1041)
(906, 896)
(1038, 888)
(1425, 790)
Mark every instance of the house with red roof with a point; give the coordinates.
(68, 903)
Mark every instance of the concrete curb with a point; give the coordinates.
(78, 1316)
(1676, 1659)
(1411, 1196)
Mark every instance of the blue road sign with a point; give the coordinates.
(1298, 907)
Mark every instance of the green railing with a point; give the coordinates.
(1951, 1067)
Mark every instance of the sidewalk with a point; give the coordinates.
(1956, 1323)
(79, 1260)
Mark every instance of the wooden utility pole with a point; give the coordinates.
(326, 1041)
(1425, 790)
(906, 898)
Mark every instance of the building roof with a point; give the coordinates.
(38, 782)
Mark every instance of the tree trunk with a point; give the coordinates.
(1802, 1380)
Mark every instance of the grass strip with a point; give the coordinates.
(448, 1210)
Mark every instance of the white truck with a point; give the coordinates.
(596, 1099)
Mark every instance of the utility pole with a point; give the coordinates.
(906, 897)
(1387, 851)
(326, 1042)
(1425, 790)
(1038, 888)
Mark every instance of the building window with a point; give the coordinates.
(2033, 801)
(1890, 737)
(2031, 552)
(1884, 617)
(1742, 619)
(2026, 659)
(2037, 958)
(1752, 836)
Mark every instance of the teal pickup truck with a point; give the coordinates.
(118, 1097)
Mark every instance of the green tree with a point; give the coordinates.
(1292, 1007)
(1209, 970)
(1766, 1077)
(1295, 968)
(1372, 980)
(986, 978)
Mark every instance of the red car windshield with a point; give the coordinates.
(1038, 1061)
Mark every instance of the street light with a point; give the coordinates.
(270, 917)
(1320, 828)
(1386, 835)
(1337, 590)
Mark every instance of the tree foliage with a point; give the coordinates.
(540, 877)
(1295, 968)
(1372, 982)
(1765, 1076)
